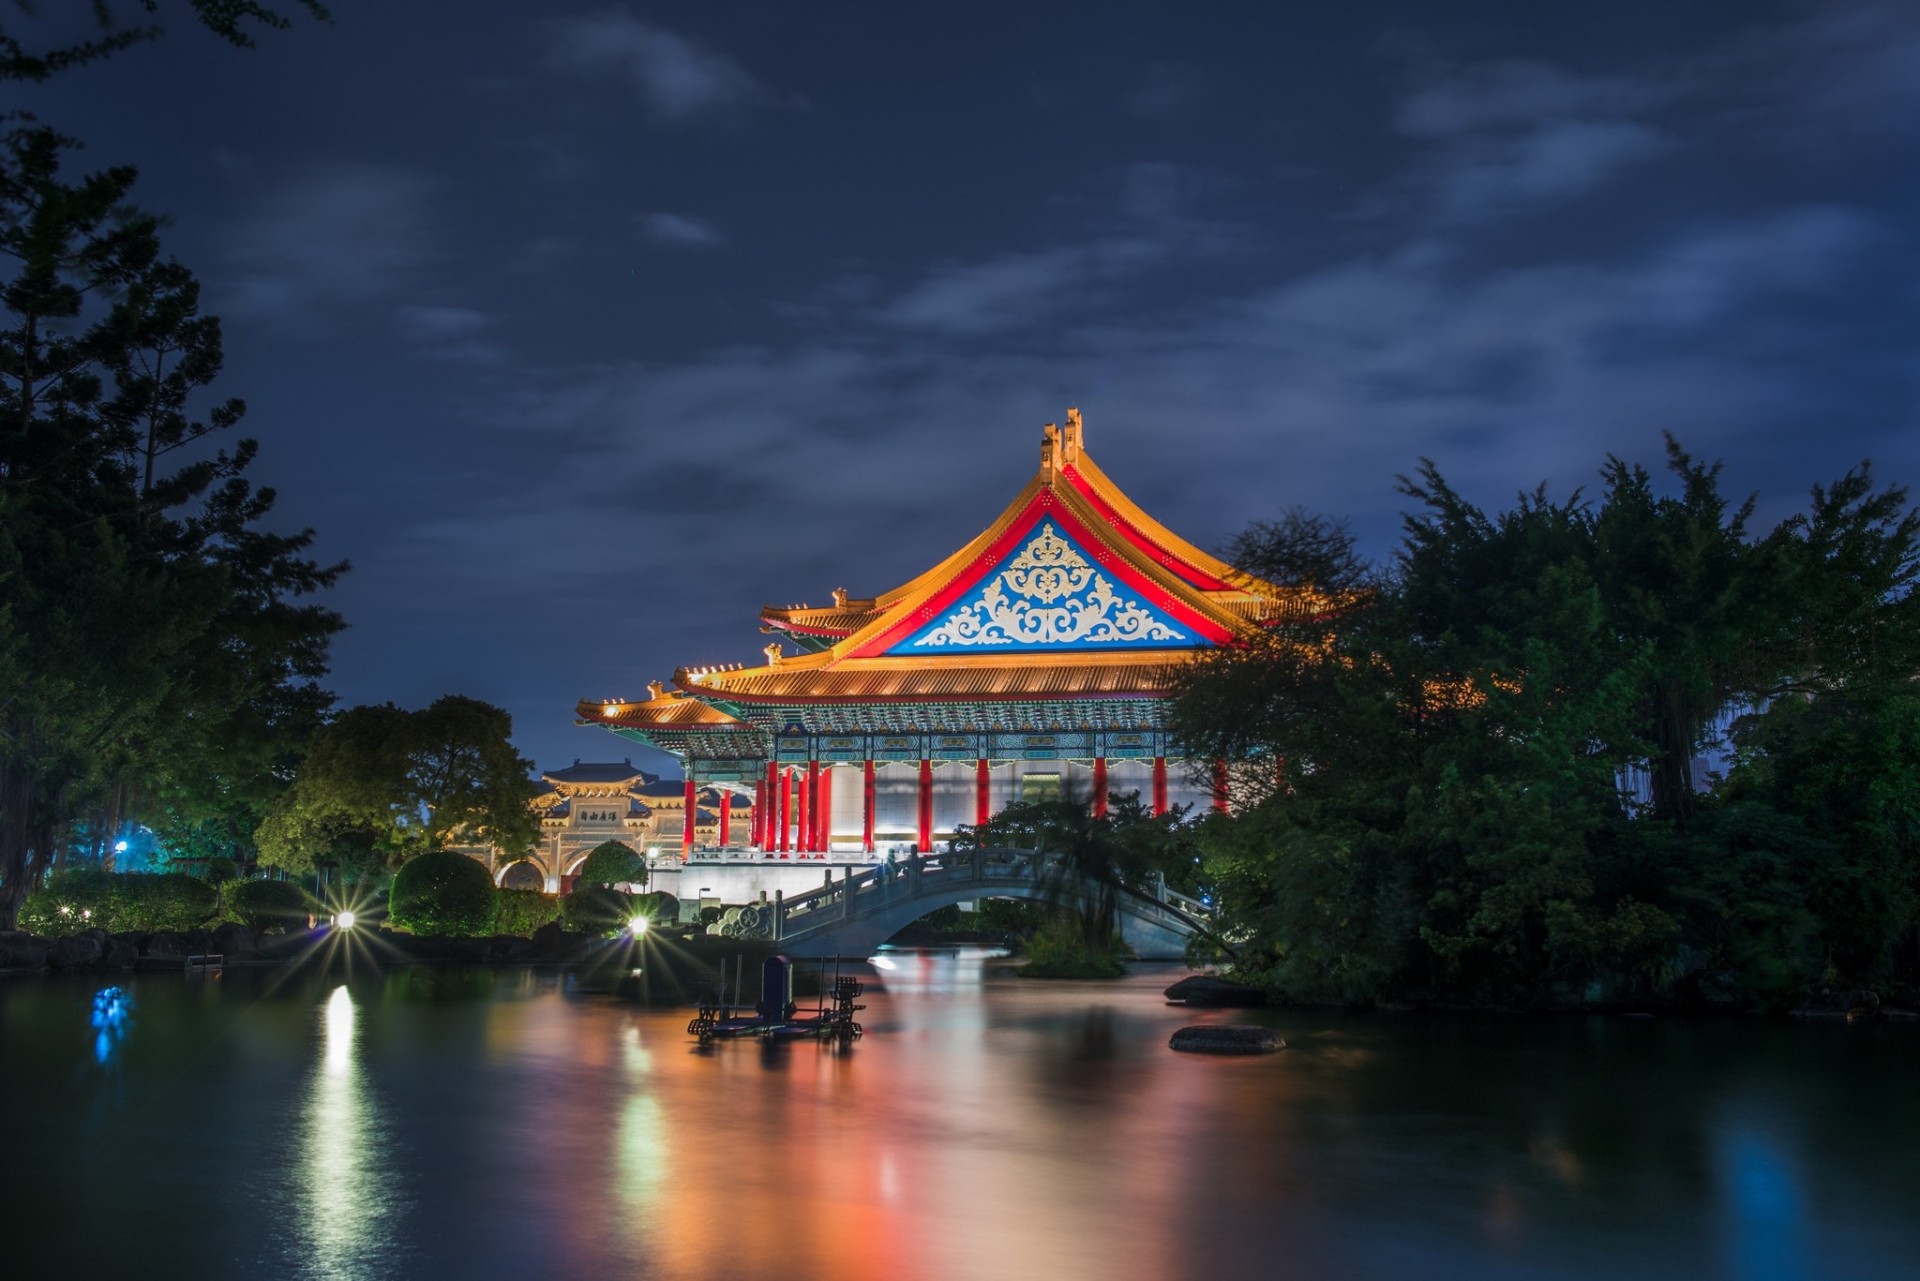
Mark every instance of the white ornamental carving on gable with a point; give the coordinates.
(1049, 594)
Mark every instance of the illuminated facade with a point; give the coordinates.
(1033, 661)
(589, 803)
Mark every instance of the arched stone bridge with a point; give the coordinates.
(854, 915)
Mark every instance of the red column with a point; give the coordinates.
(866, 808)
(1159, 786)
(686, 837)
(1219, 787)
(982, 791)
(726, 817)
(786, 787)
(926, 806)
(804, 836)
(768, 840)
(759, 812)
(1099, 787)
(823, 811)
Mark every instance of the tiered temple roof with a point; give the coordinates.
(1072, 593)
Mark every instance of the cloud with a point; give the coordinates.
(448, 333)
(678, 231)
(1519, 93)
(676, 78)
(1558, 160)
(1166, 90)
(438, 324)
(333, 235)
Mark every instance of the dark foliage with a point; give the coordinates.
(443, 893)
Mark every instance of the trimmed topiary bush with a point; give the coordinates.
(263, 905)
(521, 912)
(657, 906)
(596, 909)
(443, 893)
(612, 863)
(88, 898)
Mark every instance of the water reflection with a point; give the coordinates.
(341, 1203)
(1764, 1205)
(986, 1129)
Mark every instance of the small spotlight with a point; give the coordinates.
(345, 920)
(637, 926)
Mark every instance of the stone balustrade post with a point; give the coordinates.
(779, 915)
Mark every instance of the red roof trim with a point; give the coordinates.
(1178, 564)
(1041, 504)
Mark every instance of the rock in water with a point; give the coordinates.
(1227, 1038)
(1213, 991)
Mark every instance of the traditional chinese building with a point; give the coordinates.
(1032, 662)
(586, 804)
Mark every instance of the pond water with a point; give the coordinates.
(427, 1124)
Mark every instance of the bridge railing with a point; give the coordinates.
(986, 870)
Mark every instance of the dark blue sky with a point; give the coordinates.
(585, 330)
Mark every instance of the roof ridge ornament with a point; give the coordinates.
(1060, 446)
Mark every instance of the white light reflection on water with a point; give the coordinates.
(643, 1152)
(341, 1200)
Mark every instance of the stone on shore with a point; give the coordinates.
(76, 950)
(1214, 992)
(1227, 1038)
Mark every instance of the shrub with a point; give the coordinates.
(1059, 950)
(657, 906)
(521, 912)
(611, 863)
(443, 893)
(218, 871)
(261, 905)
(86, 897)
(596, 909)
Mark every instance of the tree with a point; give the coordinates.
(399, 783)
(1448, 815)
(227, 19)
(151, 621)
(1095, 863)
(612, 863)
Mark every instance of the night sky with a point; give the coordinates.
(585, 331)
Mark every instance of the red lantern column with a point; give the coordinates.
(823, 811)
(804, 836)
(1219, 787)
(866, 808)
(726, 817)
(926, 806)
(982, 791)
(686, 836)
(759, 813)
(1159, 786)
(768, 840)
(1099, 787)
(786, 788)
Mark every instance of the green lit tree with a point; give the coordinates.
(401, 783)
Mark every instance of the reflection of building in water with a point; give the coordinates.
(588, 804)
(1033, 661)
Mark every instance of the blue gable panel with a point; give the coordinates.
(1048, 594)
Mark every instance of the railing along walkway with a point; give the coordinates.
(986, 872)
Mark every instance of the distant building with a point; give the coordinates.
(1034, 662)
(589, 803)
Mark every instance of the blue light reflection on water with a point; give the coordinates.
(112, 1010)
(1764, 1204)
